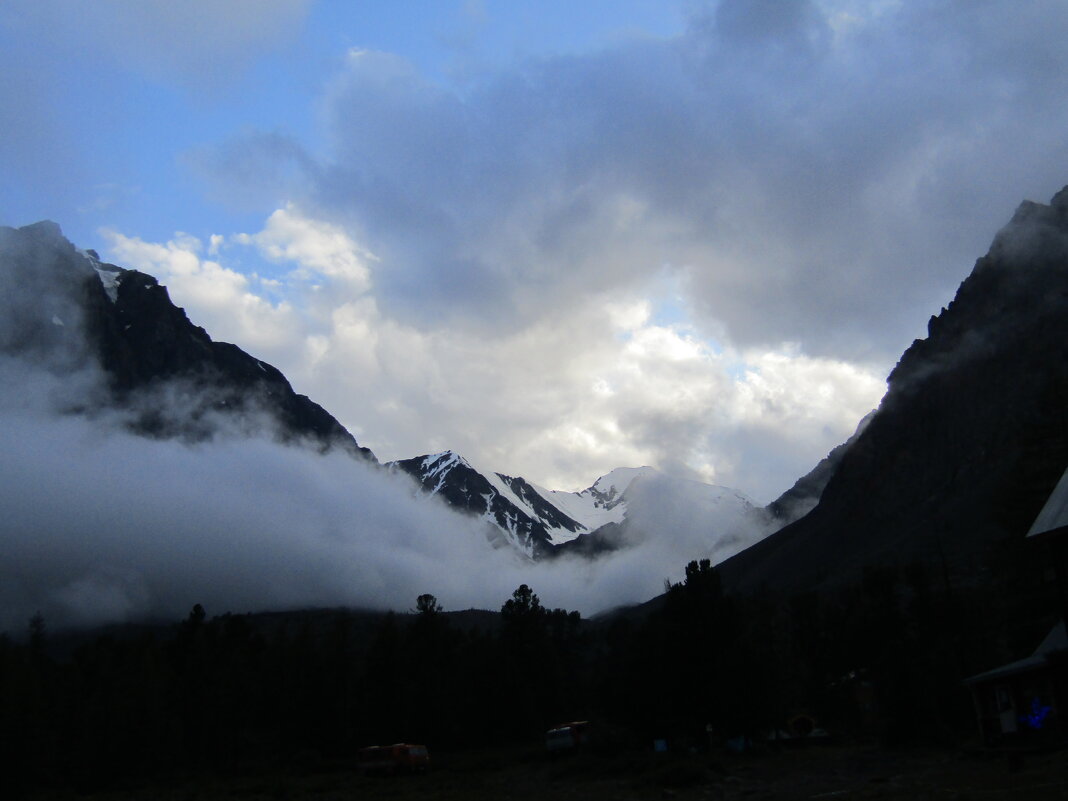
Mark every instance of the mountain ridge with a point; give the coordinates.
(968, 441)
(542, 523)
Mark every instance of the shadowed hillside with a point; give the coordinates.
(968, 442)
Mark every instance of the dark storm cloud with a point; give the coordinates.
(821, 173)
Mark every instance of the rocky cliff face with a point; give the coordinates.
(68, 308)
(969, 440)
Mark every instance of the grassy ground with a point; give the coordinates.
(832, 773)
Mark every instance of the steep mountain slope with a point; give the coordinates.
(803, 496)
(168, 375)
(969, 440)
(511, 505)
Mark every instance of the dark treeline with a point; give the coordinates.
(883, 659)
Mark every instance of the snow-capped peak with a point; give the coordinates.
(597, 505)
(613, 484)
(439, 464)
(550, 517)
(537, 521)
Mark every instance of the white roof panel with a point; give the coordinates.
(1055, 513)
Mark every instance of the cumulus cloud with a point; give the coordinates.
(232, 305)
(314, 246)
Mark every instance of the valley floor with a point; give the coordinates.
(833, 773)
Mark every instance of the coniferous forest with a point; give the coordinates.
(882, 661)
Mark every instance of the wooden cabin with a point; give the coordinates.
(1026, 701)
(1049, 534)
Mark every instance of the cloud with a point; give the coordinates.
(595, 384)
(103, 526)
(700, 252)
(225, 300)
(314, 246)
(780, 22)
(813, 179)
(815, 172)
(261, 165)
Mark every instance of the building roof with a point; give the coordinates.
(1056, 640)
(1054, 514)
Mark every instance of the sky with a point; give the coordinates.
(556, 237)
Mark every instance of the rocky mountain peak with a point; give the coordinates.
(65, 307)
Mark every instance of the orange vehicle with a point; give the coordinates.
(390, 760)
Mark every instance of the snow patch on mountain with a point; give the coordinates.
(498, 482)
(499, 500)
(110, 281)
(594, 506)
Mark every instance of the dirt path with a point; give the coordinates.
(831, 774)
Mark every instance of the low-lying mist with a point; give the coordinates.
(102, 525)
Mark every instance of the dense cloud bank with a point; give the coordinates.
(816, 172)
(101, 525)
(561, 401)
